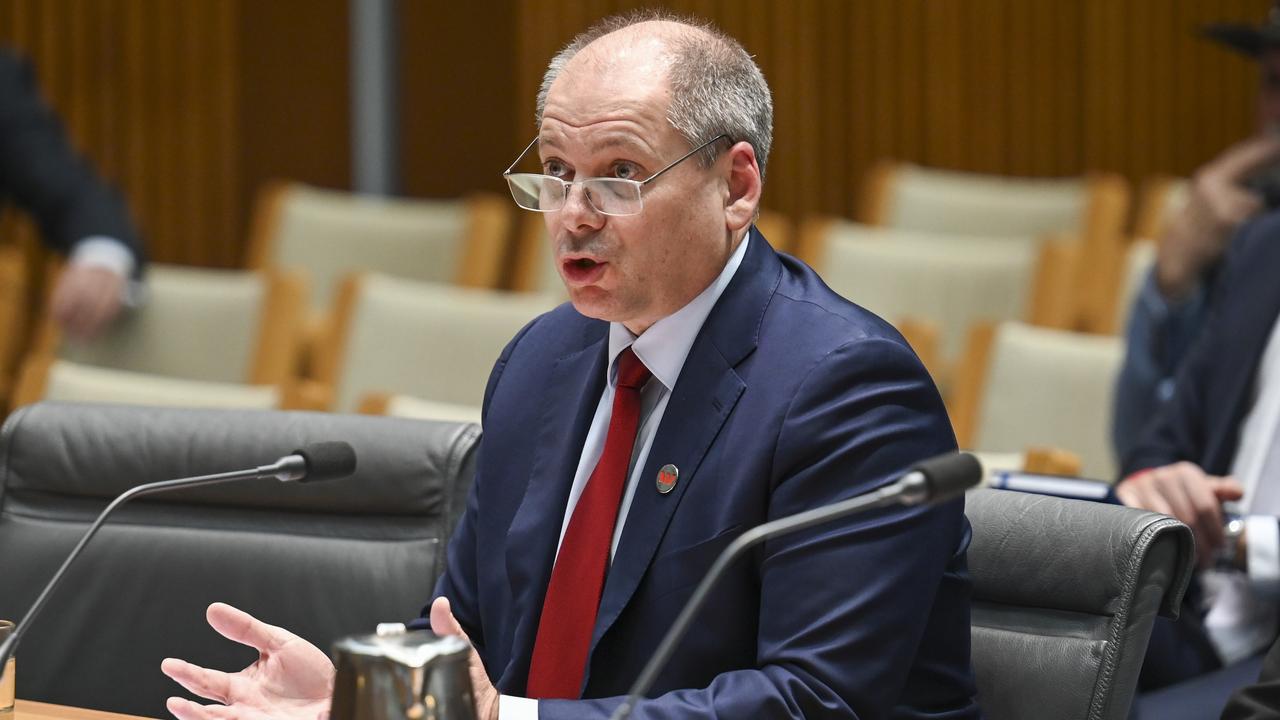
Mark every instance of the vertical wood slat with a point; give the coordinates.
(133, 82)
(151, 91)
(997, 86)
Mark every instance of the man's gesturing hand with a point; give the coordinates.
(291, 680)
(486, 695)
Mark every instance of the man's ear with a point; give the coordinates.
(744, 186)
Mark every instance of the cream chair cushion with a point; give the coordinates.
(435, 342)
(1138, 261)
(1050, 388)
(68, 381)
(407, 406)
(196, 324)
(329, 234)
(951, 281)
(943, 201)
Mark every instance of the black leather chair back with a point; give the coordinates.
(324, 560)
(1064, 596)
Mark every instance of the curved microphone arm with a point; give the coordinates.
(288, 468)
(911, 489)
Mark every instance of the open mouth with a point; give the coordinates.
(582, 270)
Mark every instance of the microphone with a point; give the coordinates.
(316, 462)
(934, 480)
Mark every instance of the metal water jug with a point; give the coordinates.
(399, 675)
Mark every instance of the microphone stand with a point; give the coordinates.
(911, 489)
(288, 468)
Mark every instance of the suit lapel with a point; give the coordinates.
(571, 398)
(705, 395)
(1250, 321)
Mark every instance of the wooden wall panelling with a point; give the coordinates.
(987, 84)
(909, 77)
(945, 129)
(462, 117)
(189, 105)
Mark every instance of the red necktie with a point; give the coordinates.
(573, 595)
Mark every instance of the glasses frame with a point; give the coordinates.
(639, 184)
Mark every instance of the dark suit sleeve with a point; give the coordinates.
(846, 608)
(44, 175)
(1261, 699)
(1178, 432)
(458, 582)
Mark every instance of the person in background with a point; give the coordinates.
(1171, 307)
(77, 213)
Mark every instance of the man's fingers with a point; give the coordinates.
(211, 684)
(1245, 157)
(86, 299)
(239, 626)
(1208, 510)
(442, 620)
(1226, 488)
(184, 709)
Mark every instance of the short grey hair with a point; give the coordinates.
(715, 85)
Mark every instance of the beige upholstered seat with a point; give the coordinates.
(329, 234)
(948, 281)
(435, 342)
(1092, 209)
(911, 197)
(408, 406)
(1041, 387)
(224, 326)
(67, 381)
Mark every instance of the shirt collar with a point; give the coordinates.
(665, 345)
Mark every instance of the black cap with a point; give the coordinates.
(1250, 40)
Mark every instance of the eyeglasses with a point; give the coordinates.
(608, 196)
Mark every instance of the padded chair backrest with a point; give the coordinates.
(325, 559)
(66, 381)
(328, 234)
(1064, 596)
(435, 342)
(951, 282)
(944, 201)
(226, 326)
(1048, 387)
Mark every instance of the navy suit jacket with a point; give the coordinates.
(1214, 390)
(42, 173)
(791, 397)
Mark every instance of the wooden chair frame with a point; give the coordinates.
(1151, 214)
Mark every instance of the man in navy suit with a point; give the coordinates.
(698, 385)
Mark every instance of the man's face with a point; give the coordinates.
(605, 116)
(1269, 90)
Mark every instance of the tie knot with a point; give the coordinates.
(631, 371)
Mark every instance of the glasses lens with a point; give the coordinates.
(540, 193)
(613, 196)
